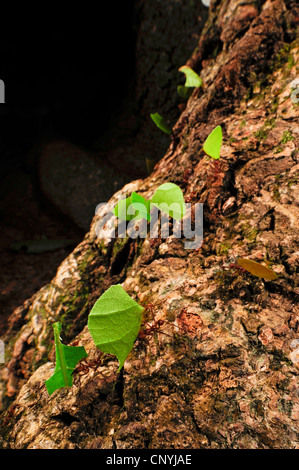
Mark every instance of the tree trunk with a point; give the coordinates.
(222, 371)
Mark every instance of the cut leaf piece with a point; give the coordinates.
(142, 207)
(150, 165)
(114, 322)
(212, 144)
(40, 246)
(133, 207)
(184, 91)
(67, 358)
(161, 123)
(257, 269)
(121, 209)
(170, 199)
(192, 79)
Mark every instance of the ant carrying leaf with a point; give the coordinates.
(212, 147)
(212, 144)
(84, 365)
(144, 333)
(67, 358)
(148, 329)
(243, 265)
(161, 123)
(257, 269)
(168, 198)
(151, 325)
(193, 80)
(114, 322)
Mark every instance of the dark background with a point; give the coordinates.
(86, 75)
(66, 71)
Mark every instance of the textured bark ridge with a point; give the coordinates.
(222, 372)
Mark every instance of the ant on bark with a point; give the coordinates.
(186, 175)
(217, 167)
(84, 366)
(237, 268)
(9, 414)
(154, 242)
(149, 330)
(191, 196)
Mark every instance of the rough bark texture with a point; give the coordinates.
(223, 370)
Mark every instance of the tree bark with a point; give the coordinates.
(222, 372)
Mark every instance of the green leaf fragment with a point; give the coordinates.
(142, 207)
(161, 123)
(184, 91)
(133, 207)
(150, 165)
(114, 322)
(40, 246)
(67, 358)
(121, 210)
(170, 199)
(192, 79)
(212, 144)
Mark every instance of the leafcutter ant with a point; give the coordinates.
(237, 268)
(190, 197)
(9, 414)
(216, 169)
(186, 175)
(84, 365)
(154, 242)
(148, 329)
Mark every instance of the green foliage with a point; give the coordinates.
(142, 207)
(192, 79)
(67, 358)
(169, 198)
(212, 144)
(161, 123)
(184, 91)
(114, 322)
(150, 165)
(133, 207)
(121, 210)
